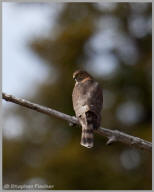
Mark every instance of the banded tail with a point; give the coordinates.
(88, 123)
(87, 136)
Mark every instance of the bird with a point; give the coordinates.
(87, 98)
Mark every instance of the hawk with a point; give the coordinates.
(87, 100)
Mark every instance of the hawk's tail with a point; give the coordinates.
(89, 123)
(87, 136)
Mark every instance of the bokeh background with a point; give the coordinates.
(43, 44)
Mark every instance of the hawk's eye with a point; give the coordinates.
(81, 76)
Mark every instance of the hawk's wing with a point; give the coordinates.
(87, 96)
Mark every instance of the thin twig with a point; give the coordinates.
(112, 135)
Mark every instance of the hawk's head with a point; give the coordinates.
(79, 76)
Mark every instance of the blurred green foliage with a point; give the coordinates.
(49, 149)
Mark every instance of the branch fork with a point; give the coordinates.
(111, 140)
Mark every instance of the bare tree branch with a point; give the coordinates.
(112, 135)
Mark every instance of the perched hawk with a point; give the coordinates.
(87, 103)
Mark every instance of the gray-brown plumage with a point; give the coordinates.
(87, 103)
